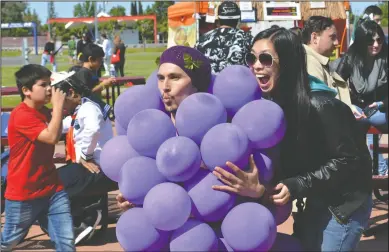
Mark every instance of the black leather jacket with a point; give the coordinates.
(333, 163)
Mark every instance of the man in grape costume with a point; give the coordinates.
(184, 71)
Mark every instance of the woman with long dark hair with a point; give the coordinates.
(365, 66)
(321, 150)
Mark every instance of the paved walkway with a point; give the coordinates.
(38, 241)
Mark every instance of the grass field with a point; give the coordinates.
(138, 63)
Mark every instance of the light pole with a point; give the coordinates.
(96, 23)
(48, 17)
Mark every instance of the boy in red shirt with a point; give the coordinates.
(34, 191)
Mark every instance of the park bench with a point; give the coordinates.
(380, 182)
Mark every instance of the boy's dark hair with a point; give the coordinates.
(103, 35)
(373, 9)
(315, 24)
(28, 75)
(91, 50)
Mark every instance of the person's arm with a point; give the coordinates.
(35, 129)
(92, 119)
(53, 132)
(343, 150)
(66, 124)
(105, 83)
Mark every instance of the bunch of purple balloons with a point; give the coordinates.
(166, 169)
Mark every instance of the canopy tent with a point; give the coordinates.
(182, 18)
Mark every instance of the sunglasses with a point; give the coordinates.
(370, 42)
(266, 59)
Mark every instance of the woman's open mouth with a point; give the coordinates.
(263, 81)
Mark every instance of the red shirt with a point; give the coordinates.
(31, 170)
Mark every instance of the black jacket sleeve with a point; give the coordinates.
(342, 151)
(344, 68)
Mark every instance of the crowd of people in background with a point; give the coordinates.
(328, 106)
(112, 49)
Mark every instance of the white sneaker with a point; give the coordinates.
(87, 229)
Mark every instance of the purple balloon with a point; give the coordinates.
(225, 142)
(167, 206)
(223, 246)
(265, 166)
(194, 235)
(285, 242)
(197, 114)
(135, 232)
(210, 88)
(120, 131)
(114, 154)
(134, 100)
(263, 121)
(152, 82)
(178, 159)
(208, 204)
(281, 213)
(137, 176)
(249, 227)
(235, 86)
(148, 130)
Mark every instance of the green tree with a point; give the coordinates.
(140, 8)
(117, 11)
(85, 9)
(134, 11)
(32, 17)
(159, 8)
(384, 7)
(52, 13)
(12, 12)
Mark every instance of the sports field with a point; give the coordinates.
(138, 63)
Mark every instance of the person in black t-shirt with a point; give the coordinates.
(226, 45)
(92, 58)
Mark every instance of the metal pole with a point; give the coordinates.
(348, 27)
(25, 51)
(48, 17)
(96, 23)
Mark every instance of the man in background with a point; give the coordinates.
(226, 45)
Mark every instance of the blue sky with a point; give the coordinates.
(65, 9)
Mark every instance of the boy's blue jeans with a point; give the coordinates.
(320, 231)
(53, 213)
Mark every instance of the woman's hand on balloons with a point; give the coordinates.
(283, 196)
(90, 165)
(122, 203)
(244, 183)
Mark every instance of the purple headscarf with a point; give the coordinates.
(192, 62)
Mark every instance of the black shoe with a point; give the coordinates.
(87, 228)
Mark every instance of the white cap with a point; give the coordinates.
(57, 77)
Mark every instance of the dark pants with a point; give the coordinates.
(83, 187)
(119, 67)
